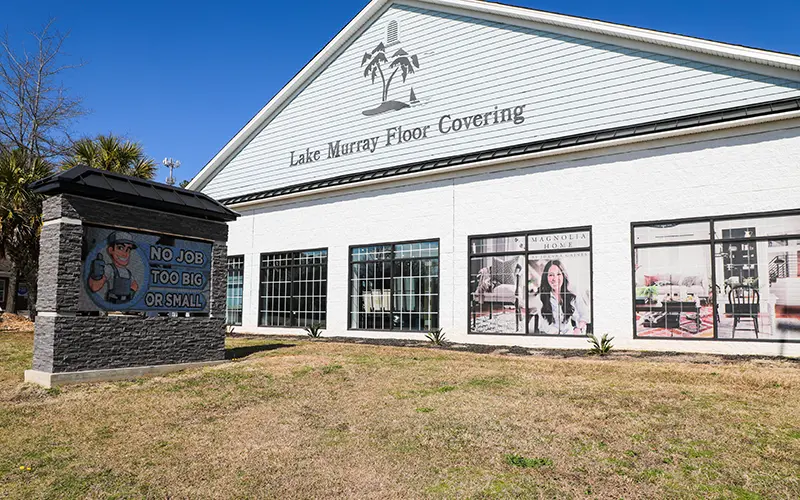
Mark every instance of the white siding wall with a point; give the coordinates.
(747, 173)
(468, 66)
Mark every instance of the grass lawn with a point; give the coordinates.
(302, 419)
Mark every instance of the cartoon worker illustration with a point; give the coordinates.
(117, 278)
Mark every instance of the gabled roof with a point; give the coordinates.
(768, 61)
(108, 186)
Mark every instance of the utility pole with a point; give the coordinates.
(171, 164)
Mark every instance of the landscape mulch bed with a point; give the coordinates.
(14, 323)
(654, 356)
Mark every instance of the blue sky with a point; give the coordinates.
(182, 78)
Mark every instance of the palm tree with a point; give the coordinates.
(108, 152)
(373, 60)
(404, 62)
(21, 215)
(372, 63)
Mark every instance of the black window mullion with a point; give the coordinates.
(291, 296)
(525, 285)
(712, 252)
(391, 292)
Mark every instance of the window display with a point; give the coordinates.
(535, 283)
(742, 284)
(673, 292)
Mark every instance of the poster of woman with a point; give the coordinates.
(560, 298)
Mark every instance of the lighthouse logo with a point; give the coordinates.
(386, 62)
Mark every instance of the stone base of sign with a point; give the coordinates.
(64, 378)
(81, 343)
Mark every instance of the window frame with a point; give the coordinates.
(391, 262)
(712, 241)
(525, 254)
(292, 296)
(227, 275)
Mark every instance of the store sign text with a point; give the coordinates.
(447, 124)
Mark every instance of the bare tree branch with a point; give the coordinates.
(36, 112)
(36, 109)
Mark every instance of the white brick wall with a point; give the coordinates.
(755, 170)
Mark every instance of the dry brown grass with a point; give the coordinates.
(320, 419)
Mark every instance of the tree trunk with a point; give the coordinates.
(32, 278)
(11, 301)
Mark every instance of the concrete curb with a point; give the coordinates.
(107, 375)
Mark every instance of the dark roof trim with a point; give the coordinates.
(643, 129)
(107, 186)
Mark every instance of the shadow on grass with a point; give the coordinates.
(244, 351)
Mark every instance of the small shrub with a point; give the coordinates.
(520, 461)
(602, 346)
(314, 331)
(437, 336)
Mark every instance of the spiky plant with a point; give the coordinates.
(601, 346)
(436, 336)
(314, 330)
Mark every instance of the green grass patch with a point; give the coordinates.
(421, 393)
(652, 474)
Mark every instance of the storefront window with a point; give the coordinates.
(395, 287)
(294, 289)
(673, 292)
(742, 284)
(535, 283)
(235, 290)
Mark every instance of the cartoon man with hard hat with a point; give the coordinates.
(116, 278)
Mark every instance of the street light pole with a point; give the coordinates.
(171, 164)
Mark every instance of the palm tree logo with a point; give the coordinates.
(401, 61)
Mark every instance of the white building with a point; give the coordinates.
(518, 177)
